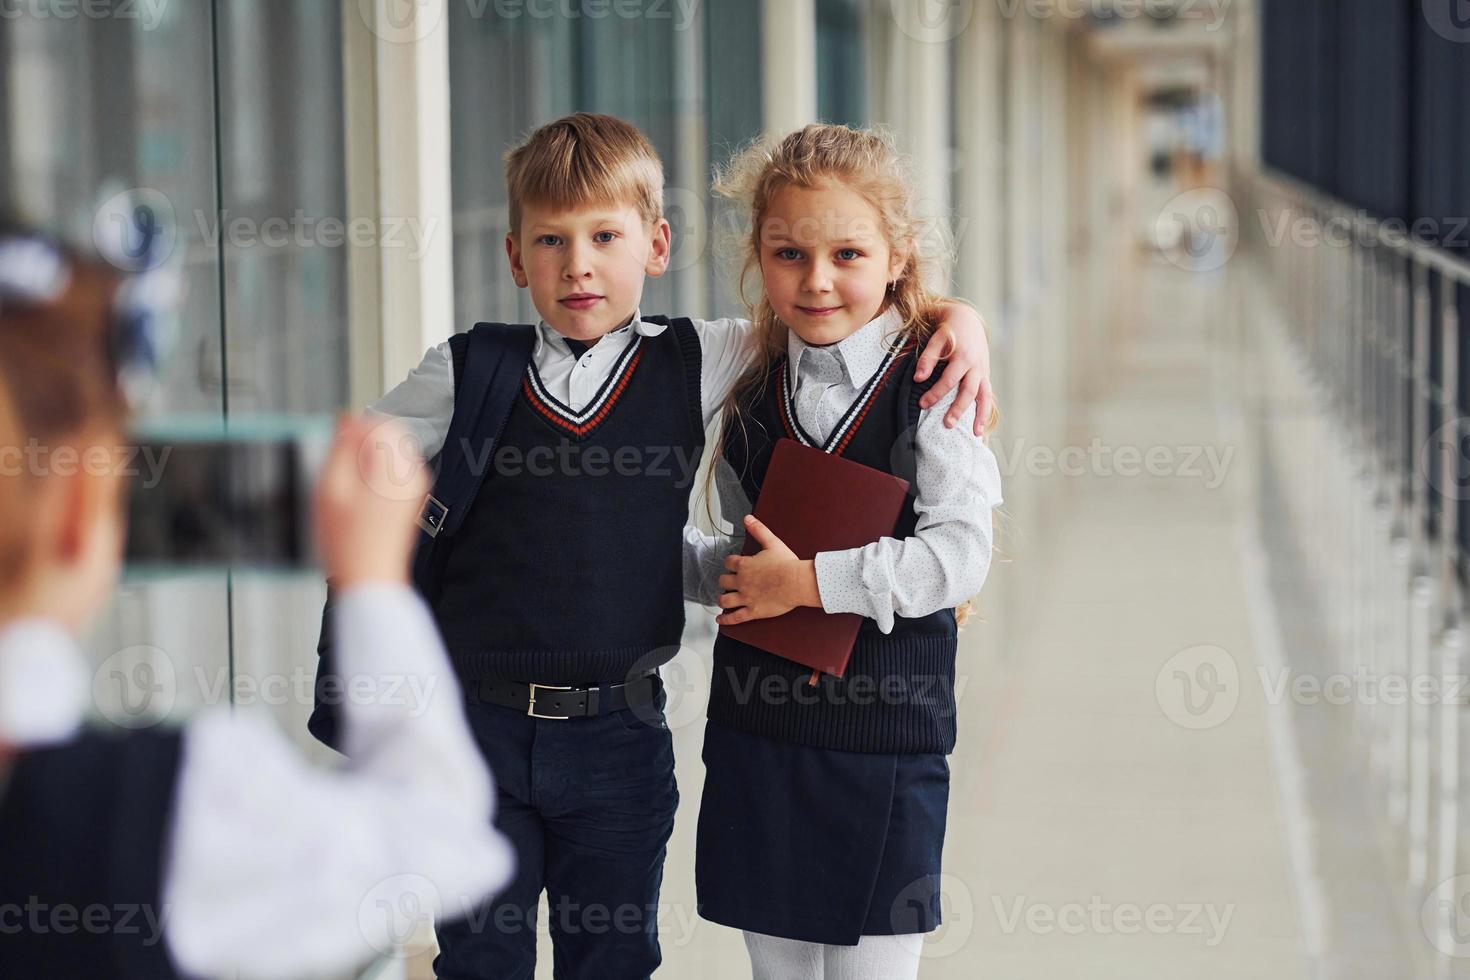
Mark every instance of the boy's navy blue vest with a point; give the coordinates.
(898, 692)
(83, 830)
(567, 567)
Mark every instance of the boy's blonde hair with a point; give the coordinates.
(867, 162)
(582, 160)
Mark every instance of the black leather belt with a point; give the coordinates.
(561, 702)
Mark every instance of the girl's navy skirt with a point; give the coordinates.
(819, 845)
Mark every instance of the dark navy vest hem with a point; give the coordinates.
(897, 696)
(580, 667)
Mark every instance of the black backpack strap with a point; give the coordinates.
(693, 354)
(489, 364)
(459, 347)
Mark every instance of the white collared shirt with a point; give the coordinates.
(273, 866)
(957, 482)
(424, 401)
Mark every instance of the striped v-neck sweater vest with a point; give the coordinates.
(897, 695)
(567, 569)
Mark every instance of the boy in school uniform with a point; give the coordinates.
(561, 591)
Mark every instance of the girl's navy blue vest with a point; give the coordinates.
(897, 695)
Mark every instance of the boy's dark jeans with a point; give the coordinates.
(588, 804)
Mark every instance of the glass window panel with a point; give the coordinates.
(841, 73)
(509, 74)
(733, 101)
(95, 105)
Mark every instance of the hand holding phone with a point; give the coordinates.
(367, 503)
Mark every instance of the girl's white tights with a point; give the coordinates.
(873, 958)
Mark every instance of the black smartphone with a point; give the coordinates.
(206, 496)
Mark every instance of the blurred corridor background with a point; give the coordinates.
(1213, 704)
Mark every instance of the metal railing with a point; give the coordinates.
(1374, 321)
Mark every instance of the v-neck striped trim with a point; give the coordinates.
(847, 426)
(583, 422)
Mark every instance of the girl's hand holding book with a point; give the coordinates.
(768, 584)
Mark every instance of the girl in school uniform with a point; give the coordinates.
(214, 848)
(823, 815)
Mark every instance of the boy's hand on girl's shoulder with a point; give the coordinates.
(960, 338)
(768, 584)
(368, 499)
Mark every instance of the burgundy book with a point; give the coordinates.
(816, 501)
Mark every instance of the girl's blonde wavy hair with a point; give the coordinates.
(866, 162)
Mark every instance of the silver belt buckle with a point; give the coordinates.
(531, 706)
